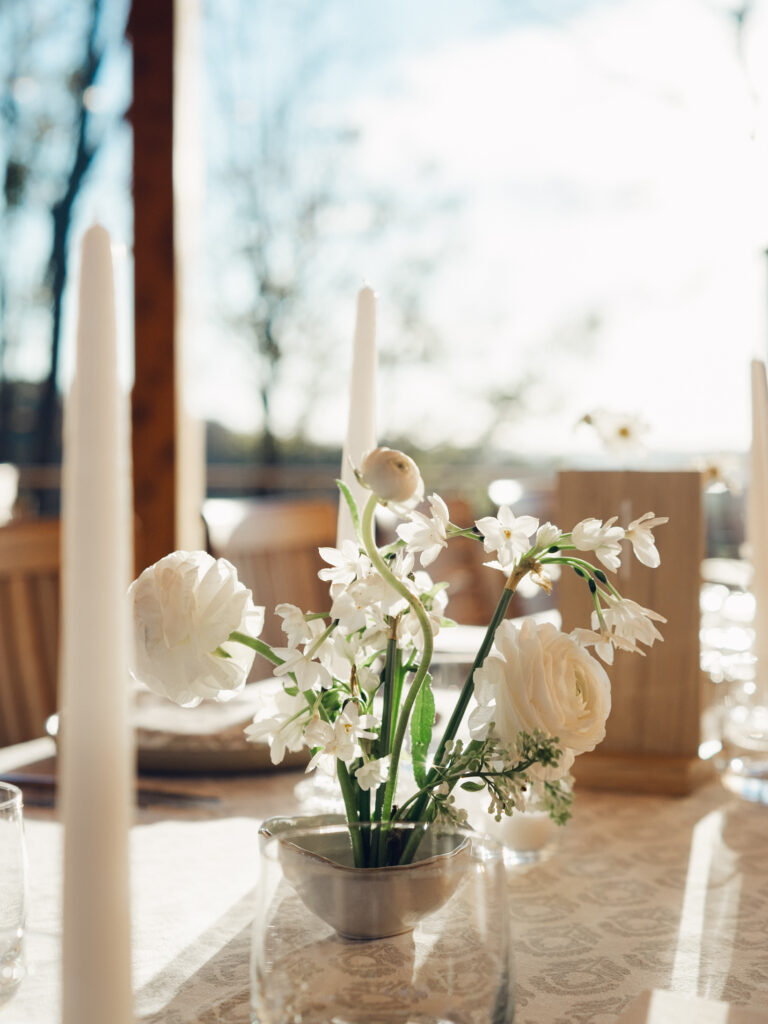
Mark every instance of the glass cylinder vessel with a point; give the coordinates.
(425, 942)
(13, 890)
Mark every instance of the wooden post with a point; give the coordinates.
(654, 728)
(151, 27)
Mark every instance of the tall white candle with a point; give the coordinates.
(757, 520)
(361, 429)
(96, 769)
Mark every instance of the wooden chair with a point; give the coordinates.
(29, 627)
(273, 544)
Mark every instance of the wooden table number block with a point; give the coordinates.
(654, 729)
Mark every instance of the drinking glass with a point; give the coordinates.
(422, 943)
(13, 883)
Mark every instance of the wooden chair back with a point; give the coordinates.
(274, 549)
(29, 627)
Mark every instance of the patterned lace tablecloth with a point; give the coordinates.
(643, 892)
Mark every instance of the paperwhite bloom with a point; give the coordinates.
(184, 608)
(507, 534)
(295, 626)
(373, 773)
(629, 621)
(601, 641)
(308, 672)
(339, 740)
(547, 535)
(284, 729)
(347, 563)
(427, 534)
(542, 679)
(639, 532)
(602, 538)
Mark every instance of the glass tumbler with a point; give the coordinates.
(421, 943)
(13, 886)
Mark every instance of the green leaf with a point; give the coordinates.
(473, 787)
(351, 504)
(422, 720)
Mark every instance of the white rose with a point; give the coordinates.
(542, 679)
(184, 608)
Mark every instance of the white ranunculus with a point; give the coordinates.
(393, 476)
(542, 679)
(184, 608)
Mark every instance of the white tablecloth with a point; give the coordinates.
(644, 892)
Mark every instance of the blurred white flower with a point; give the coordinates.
(184, 609)
(621, 433)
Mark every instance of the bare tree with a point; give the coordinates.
(61, 213)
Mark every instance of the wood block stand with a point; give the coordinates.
(654, 728)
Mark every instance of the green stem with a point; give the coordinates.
(420, 805)
(351, 805)
(426, 658)
(258, 645)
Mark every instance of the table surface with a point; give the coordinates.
(643, 892)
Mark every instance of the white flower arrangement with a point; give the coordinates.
(356, 677)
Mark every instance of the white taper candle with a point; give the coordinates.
(96, 770)
(757, 520)
(361, 429)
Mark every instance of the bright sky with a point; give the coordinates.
(611, 167)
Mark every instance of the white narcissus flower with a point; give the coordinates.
(602, 538)
(547, 535)
(347, 563)
(427, 534)
(601, 641)
(630, 622)
(340, 739)
(373, 773)
(284, 727)
(507, 534)
(308, 672)
(184, 609)
(640, 533)
(542, 679)
(296, 626)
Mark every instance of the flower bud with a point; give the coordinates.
(391, 475)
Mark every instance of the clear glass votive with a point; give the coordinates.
(529, 837)
(422, 943)
(13, 891)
